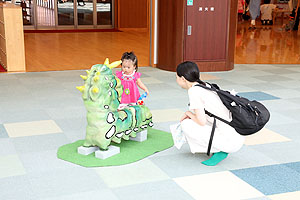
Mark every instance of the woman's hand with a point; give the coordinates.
(185, 116)
(197, 117)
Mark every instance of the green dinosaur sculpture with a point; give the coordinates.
(101, 94)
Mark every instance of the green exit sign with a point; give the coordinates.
(189, 2)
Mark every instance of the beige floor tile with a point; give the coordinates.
(167, 115)
(206, 77)
(219, 185)
(265, 136)
(285, 196)
(31, 128)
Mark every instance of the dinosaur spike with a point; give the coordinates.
(96, 78)
(115, 64)
(80, 88)
(95, 90)
(106, 62)
(118, 81)
(87, 72)
(83, 77)
(98, 73)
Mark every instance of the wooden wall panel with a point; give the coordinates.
(232, 27)
(170, 33)
(116, 14)
(133, 13)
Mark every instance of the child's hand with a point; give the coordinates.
(146, 90)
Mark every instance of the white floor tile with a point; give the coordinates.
(139, 172)
(150, 80)
(11, 166)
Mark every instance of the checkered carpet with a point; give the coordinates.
(41, 111)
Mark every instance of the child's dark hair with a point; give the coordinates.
(130, 56)
(267, 1)
(190, 71)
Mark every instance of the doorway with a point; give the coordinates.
(74, 50)
(206, 16)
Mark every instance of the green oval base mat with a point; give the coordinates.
(130, 151)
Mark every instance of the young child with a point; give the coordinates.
(130, 79)
(266, 12)
(196, 126)
(241, 9)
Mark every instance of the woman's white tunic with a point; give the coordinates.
(225, 139)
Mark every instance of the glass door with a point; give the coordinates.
(104, 9)
(94, 13)
(85, 10)
(45, 14)
(65, 12)
(68, 14)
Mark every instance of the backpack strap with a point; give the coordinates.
(216, 117)
(212, 88)
(211, 137)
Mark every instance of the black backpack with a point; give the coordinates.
(248, 117)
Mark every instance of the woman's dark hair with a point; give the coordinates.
(190, 71)
(130, 56)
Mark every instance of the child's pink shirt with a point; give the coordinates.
(130, 90)
(241, 6)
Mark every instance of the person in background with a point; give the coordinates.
(296, 15)
(266, 12)
(241, 9)
(254, 9)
